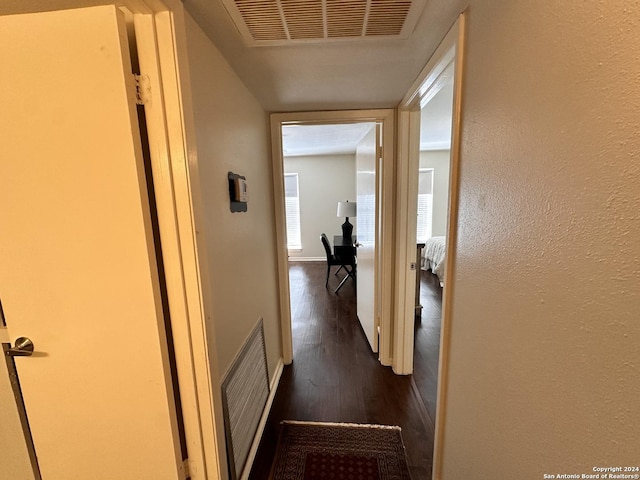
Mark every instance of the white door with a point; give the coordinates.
(78, 273)
(366, 221)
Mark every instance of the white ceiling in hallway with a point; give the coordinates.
(336, 75)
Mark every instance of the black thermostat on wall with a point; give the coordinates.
(237, 192)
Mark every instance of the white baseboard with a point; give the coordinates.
(307, 259)
(263, 420)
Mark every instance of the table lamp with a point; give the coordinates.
(347, 209)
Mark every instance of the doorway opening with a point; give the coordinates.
(429, 138)
(365, 179)
(434, 162)
(328, 168)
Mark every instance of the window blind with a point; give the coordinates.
(292, 210)
(425, 205)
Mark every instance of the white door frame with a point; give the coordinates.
(161, 39)
(179, 212)
(384, 260)
(425, 87)
(450, 50)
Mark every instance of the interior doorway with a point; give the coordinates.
(371, 135)
(329, 176)
(429, 138)
(433, 172)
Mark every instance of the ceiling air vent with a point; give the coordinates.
(281, 22)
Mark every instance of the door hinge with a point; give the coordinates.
(143, 89)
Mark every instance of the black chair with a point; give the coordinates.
(332, 260)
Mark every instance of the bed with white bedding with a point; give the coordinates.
(433, 256)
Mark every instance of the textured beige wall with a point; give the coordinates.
(233, 135)
(323, 180)
(545, 331)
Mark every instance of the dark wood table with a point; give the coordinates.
(344, 248)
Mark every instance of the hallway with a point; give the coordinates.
(336, 378)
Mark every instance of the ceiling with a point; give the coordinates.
(436, 119)
(435, 130)
(335, 74)
(300, 140)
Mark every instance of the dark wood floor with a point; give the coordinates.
(427, 342)
(336, 378)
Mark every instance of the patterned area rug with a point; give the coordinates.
(339, 451)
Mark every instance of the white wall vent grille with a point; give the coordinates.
(280, 22)
(245, 389)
